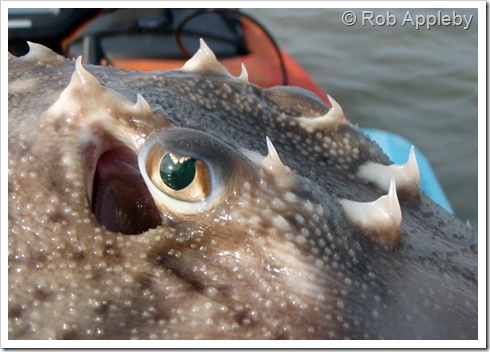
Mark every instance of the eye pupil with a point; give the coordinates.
(177, 173)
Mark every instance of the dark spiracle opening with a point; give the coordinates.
(121, 200)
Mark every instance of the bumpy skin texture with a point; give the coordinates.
(274, 257)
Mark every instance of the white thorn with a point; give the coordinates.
(82, 90)
(273, 165)
(244, 74)
(336, 112)
(141, 104)
(204, 61)
(83, 76)
(407, 175)
(272, 162)
(204, 48)
(390, 203)
(333, 117)
(40, 52)
(380, 220)
(412, 166)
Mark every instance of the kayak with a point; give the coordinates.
(164, 39)
(150, 39)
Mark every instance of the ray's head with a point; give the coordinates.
(171, 218)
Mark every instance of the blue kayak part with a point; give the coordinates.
(398, 148)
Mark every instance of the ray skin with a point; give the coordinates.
(283, 232)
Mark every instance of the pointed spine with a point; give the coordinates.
(142, 105)
(82, 76)
(380, 220)
(273, 166)
(243, 75)
(332, 118)
(407, 176)
(204, 61)
(40, 53)
(272, 163)
(82, 85)
(336, 113)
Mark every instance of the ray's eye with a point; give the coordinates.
(180, 177)
(187, 171)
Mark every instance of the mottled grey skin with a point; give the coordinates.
(270, 260)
